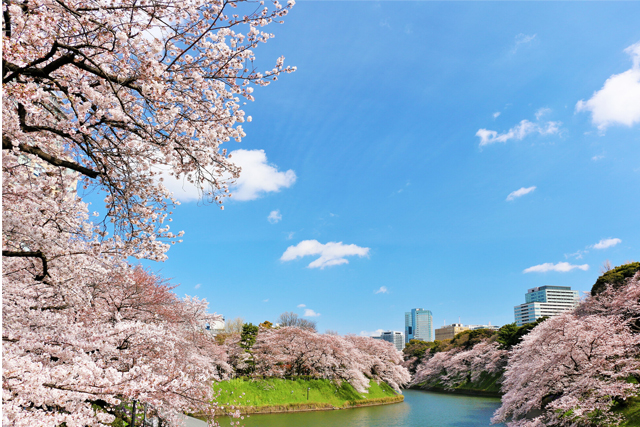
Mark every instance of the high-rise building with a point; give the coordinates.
(394, 337)
(450, 331)
(545, 301)
(418, 325)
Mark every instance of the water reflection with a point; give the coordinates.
(420, 409)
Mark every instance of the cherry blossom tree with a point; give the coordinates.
(122, 92)
(573, 368)
(381, 360)
(113, 97)
(455, 367)
(292, 351)
(80, 354)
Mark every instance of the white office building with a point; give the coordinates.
(418, 325)
(545, 301)
(215, 327)
(394, 337)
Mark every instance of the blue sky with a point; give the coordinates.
(403, 132)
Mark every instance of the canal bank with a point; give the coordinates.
(487, 385)
(277, 395)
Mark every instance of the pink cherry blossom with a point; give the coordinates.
(574, 367)
(102, 96)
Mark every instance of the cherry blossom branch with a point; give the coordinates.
(26, 254)
(7, 145)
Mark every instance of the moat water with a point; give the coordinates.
(419, 409)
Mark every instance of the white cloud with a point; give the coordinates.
(265, 300)
(332, 253)
(576, 255)
(618, 102)
(561, 267)
(496, 114)
(198, 286)
(375, 333)
(382, 290)
(274, 217)
(598, 157)
(518, 132)
(290, 235)
(519, 193)
(302, 305)
(310, 313)
(522, 39)
(606, 243)
(542, 112)
(257, 178)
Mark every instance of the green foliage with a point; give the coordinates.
(278, 391)
(417, 348)
(615, 277)
(486, 384)
(630, 410)
(266, 325)
(464, 340)
(468, 339)
(248, 336)
(510, 334)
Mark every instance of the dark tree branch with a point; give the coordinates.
(43, 72)
(25, 254)
(6, 145)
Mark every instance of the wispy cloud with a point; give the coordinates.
(598, 157)
(602, 244)
(518, 132)
(198, 286)
(274, 217)
(290, 235)
(382, 290)
(562, 267)
(265, 300)
(576, 255)
(302, 305)
(542, 112)
(310, 313)
(406, 185)
(618, 102)
(519, 193)
(332, 253)
(606, 243)
(496, 114)
(522, 39)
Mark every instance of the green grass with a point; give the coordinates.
(287, 394)
(631, 412)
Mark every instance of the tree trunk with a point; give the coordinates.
(133, 414)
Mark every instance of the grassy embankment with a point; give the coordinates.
(631, 412)
(284, 395)
(486, 385)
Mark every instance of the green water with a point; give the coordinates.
(419, 409)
